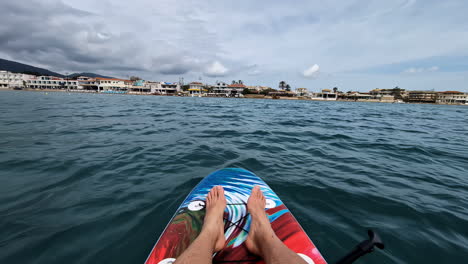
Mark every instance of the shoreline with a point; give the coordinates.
(300, 98)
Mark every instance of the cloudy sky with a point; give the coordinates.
(354, 44)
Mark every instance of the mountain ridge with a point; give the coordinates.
(17, 67)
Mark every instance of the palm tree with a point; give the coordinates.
(233, 82)
(335, 89)
(288, 88)
(240, 82)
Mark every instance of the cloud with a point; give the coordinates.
(311, 72)
(253, 70)
(413, 70)
(216, 69)
(65, 37)
(175, 64)
(167, 38)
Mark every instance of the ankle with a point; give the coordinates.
(266, 242)
(210, 235)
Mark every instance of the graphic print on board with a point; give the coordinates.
(237, 183)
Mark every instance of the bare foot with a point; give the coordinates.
(260, 227)
(214, 224)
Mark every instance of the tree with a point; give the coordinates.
(397, 93)
(267, 91)
(240, 82)
(282, 85)
(134, 78)
(335, 89)
(233, 82)
(288, 88)
(246, 91)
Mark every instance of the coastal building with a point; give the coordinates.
(112, 84)
(164, 88)
(452, 97)
(356, 96)
(383, 94)
(137, 87)
(422, 97)
(87, 83)
(235, 89)
(51, 82)
(302, 92)
(325, 95)
(197, 89)
(221, 88)
(14, 80)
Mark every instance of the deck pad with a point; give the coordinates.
(187, 222)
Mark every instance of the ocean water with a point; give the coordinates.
(88, 178)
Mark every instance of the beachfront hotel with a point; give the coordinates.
(12, 80)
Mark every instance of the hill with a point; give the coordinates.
(13, 66)
(88, 74)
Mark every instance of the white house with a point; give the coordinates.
(197, 88)
(221, 88)
(326, 95)
(165, 88)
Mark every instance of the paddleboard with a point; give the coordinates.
(187, 222)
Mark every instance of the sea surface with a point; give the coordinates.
(88, 178)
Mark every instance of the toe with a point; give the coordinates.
(255, 191)
(211, 194)
(221, 192)
(258, 192)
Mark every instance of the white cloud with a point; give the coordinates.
(311, 72)
(216, 69)
(421, 70)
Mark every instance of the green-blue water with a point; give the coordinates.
(90, 178)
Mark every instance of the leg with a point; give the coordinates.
(211, 238)
(262, 240)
